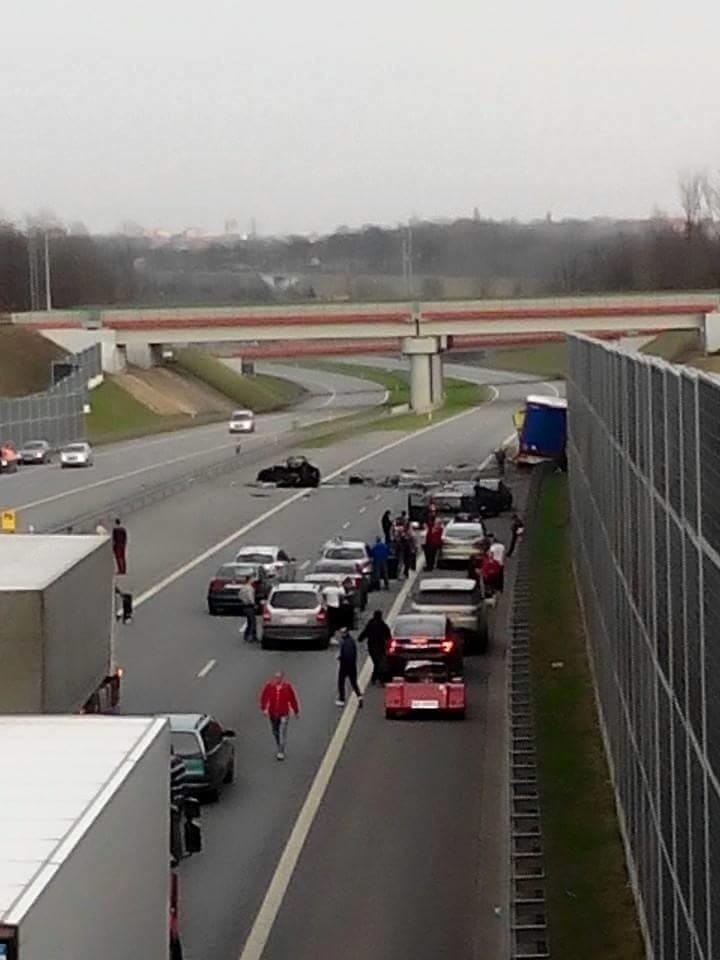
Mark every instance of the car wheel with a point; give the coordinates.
(265, 644)
(212, 610)
(390, 714)
(230, 772)
(483, 640)
(458, 714)
(212, 795)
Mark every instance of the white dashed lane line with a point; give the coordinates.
(207, 668)
(304, 565)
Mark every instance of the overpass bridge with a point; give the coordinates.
(423, 332)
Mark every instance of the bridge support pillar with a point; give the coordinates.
(711, 332)
(425, 372)
(144, 355)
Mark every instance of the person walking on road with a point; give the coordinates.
(380, 553)
(377, 633)
(277, 700)
(119, 546)
(387, 525)
(500, 457)
(347, 667)
(246, 596)
(433, 542)
(517, 528)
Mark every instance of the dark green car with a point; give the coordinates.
(207, 749)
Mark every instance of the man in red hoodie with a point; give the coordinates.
(433, 542)
(277, 699)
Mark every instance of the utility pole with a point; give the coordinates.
(48, 291)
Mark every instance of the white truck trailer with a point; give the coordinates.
(84, 822)
(57, 625)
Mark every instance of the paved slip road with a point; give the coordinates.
(372, 879)
(46, 495)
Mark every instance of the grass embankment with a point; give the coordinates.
(590, 905)
(117, 415)
(25, 361)
(260, 393)
(548, 360)
(459, 395)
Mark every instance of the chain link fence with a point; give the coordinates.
(644, 462)
(56, 414)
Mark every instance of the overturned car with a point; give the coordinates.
(295, 472)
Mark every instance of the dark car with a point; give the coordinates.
(207, 749)
(351, 569)
(445, 504)
(295, 472)
(495, 496)
(35, 451)
(222, 596)
(424, 636)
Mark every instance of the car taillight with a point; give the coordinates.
(218, 584)
(392, 647)
(321, 615)
(266, 615)
(447, 645)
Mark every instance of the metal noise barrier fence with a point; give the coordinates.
(644, 465)
(56, 414)
(528, 918)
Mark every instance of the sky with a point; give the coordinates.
(305, 116)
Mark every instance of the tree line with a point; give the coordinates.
(565, 257)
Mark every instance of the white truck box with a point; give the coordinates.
(57, 621)
(84, 821)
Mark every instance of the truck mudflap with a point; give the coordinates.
(107, 696)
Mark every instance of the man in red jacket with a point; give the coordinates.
(277, 699)
(433, 542)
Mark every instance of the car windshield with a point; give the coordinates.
(236, 571)
(458, 531)
(426, 673)
(345, 553)
(445, 598)
(295, 462)
(261, 558)
(185, 744)
(35, 445)
(448, 503)
(409, 626)
(242, 415)
(344, 567)
(76, 448)
(294, 600)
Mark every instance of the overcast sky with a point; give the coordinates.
(178, 113)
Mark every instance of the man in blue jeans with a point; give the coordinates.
(380, 553)
(347, 667)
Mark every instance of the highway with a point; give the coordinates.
(413, 813)
(45, 496)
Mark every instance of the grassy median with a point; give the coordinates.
(260, 393)
(590, 905)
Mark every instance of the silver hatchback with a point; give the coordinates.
(295, 614)
(463, 603)
(462, 540)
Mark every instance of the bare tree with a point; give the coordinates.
(692, 199)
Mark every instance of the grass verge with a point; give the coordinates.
(117, 415)
(459, 396)
(543, 360)
(590, 905)
(673, 345)
(260, 393)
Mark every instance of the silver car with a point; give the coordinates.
(76, 455)
(295, 614)
(274, 560)
(462, 600)
(461, 540)
(242, 421)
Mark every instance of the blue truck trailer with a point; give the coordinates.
(542, 430)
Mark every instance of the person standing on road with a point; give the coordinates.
(347, 667)
(380, 554)
(387, 525)
(497, 552)
(500, 457)
(407, 552)
(246, 596)
(377, 633)
(119, 546)
(517, 528)
(277, 700)
(433, 542)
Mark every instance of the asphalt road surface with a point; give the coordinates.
(47, 495)
(405, 853)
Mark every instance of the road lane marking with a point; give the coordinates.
(275, 894)
(346, 525)
(551, 387)
(284, 504)
(304, 565)
(362, 509)
(207, 668)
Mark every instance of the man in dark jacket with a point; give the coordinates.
(380, 553)
(377, 633)
(119, 546)
(387, 525)
(347, 667)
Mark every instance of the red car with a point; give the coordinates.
(427, 686)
